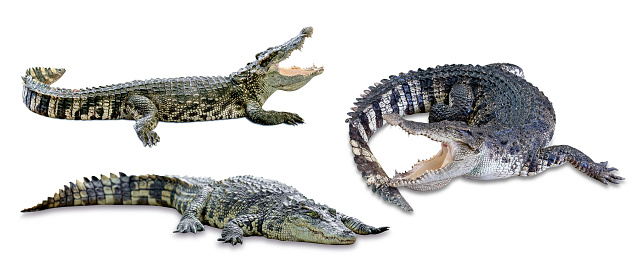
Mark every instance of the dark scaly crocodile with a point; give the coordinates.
(490, 121)
(241, 206)
(184, 99)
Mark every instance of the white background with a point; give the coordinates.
(586, 57)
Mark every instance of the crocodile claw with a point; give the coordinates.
(377, 230)
(189, 224)
(231, 233)
(232, 239)
(605, 174)
(149, 138)
(291, 118)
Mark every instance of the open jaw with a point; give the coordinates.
(294, 70)
(456, 157)
(295, 44)
(423, 171)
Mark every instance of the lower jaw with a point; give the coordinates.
(333, 240)
(342, 242)
(431, 166)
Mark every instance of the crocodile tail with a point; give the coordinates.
(121, 190)
(44, 75)
(75, 104)
(403, 94)
(373, 172)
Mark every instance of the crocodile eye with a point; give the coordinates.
(309, 212)
(266, 60)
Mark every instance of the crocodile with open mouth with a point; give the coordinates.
(490, 121)
(184, 99)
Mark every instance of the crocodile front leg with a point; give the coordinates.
(553, 156)
(260, 116)
(244, 225)
(145, 113)
(359, 227)
(190, 220)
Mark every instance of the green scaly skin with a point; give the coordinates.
(241, 206)
(183, 99)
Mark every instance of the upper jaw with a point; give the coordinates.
(295, 43)
(287, 48)
(274, 55)
(289, 78)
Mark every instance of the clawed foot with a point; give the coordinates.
(377, 230)
(231, 237)
(260, 116)
(290, 118)
(189, 224)
(604, 174)
(149, 138)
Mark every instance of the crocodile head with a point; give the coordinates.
(266, 67)
(314, 223)
(461, 153)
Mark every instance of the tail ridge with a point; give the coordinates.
(117, 190)
(405, 93)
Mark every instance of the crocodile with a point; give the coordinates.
(490, 121)
(240, 205)
(183, 99)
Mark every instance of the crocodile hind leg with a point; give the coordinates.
(244, 225)
(260, 116)
(190, 220)
(145, 113)
(553, 156)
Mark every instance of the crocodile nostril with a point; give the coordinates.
(307, 32)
